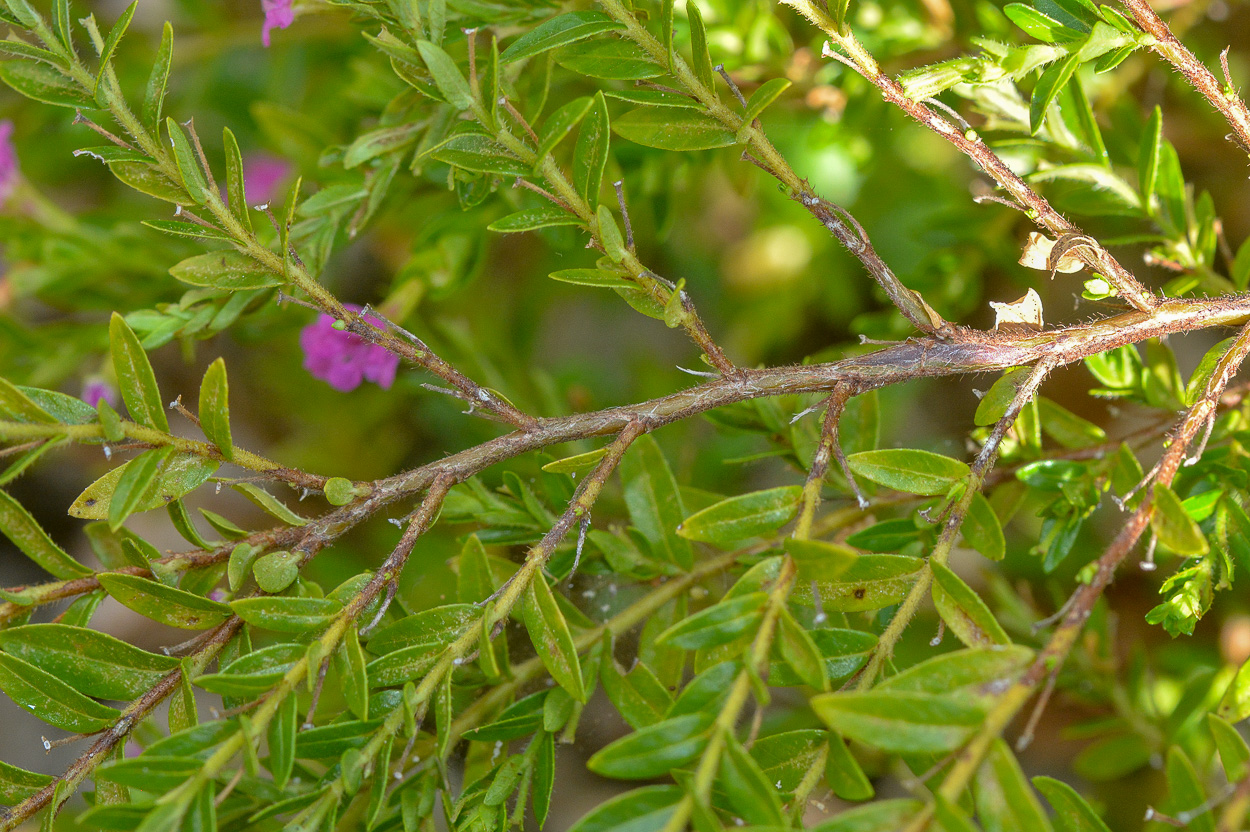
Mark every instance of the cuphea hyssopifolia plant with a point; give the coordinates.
(753, 642)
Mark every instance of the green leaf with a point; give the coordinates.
(982, 530)
(609, 58)
(188, 163)
(751, 794)
(1148, 156)
(701, 61)
(236, 194)
(911, 471)
(433, 628)
(669, 128)
(43, 83)
(1197, 386)
(1004, 799)
(1173, 526)
(638, 696)
(16, 406)
(350, 661)
(819, 560)
(285, 614)
(993, 405)
(592, 277)
(1072, 813)
(609, 234)
(590, 155)
(1186, 797)
(1066, 428)
(881, 816)
(654, 502)
(900, 722)
(561, 122)
(135, 377)
(158, 80)
(558, 31)
(964, 612)
(655, 750)
(872, 582)
(1048, 87)
(164, 604)
(276, 571)
(648, 809)
(843, 772)
(1234, 753)
(1037, 24)
(149, 180)
(18, 784)
(531, 219)
(801, 652)
(182, 474)
(17, 524)
(447, 76)
(152, 774)
(767, 93)
(215, 408)
(544, 777)
(114, 37)
(720, 623)
(549, 633)
(380, 142)
(475, 152)
(138, 481)
(744, 516)
(52, 700)
(266, 501)
(229, 270)
(971, 674)
(93, 663)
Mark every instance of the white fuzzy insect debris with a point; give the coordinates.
(108, 452)
(47, 744)
(395, 521)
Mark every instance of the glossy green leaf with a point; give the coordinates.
(1234, 753)
(549, 633)
(267, 502)
(751, 794)
(236, 195)
(720, 623)
(655, 750)
(648, 809)
(638, 696)
(17, 406)
(164, 604)
(1072, 813)
(286, 614)
(447, 76)
(559, 31)
(613, 59)
(135, 377)
(744, 516)
(215, 408)
(188, 164)
(820, 560)
(158, 80)
(900, 722)
(911, 471)
(51, 699)
(672, 129)
(230, 270)
(1066, 428)
(654, 502)
(964, 612)
(17, 524)
(843, 772)
(767, 93)
(92, 662)
(982, 530)
(18, 784)
(972, 674)
(182, 474)
(595, 278)
(591, 153)
(276, 571)
(43, 83)
(152, 774)
(350, 661)
(1004, 799)
(700, 60)
(1048, 88)
(544, 777)
(872, 582)
(137, 483)
(1174, 527)
(800, 651)
(881, 816)
(1148, 155)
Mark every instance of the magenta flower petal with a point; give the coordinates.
(262, 174)
(278, 15)
(344, 360)
(8, 161)
(96, 389)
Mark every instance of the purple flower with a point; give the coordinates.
(344, 360)
(8, 161)
(217, 595)
(96, 389)
(262, 174)
(278, 15)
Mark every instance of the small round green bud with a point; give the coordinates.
(276, 571)
(340, 491)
